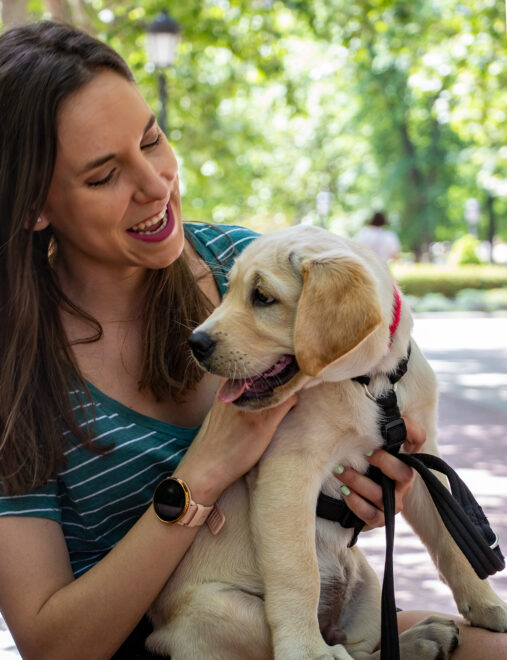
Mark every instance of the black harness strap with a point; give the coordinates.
(393, 431)
(460, 512)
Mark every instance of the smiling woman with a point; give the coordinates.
(100, 287)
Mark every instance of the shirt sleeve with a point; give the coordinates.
(219, 245)
(40, 503)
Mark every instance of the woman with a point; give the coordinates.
(100, 285)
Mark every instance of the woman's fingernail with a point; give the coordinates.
(338, 469)
(369, 453)
(345, 490)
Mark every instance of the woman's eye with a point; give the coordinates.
(154, 142)
(101, 182)
(262, 299)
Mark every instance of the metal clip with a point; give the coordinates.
(495, 543)
(368, 393)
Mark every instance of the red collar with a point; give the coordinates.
(396, 315)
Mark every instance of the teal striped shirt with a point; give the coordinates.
(97, 498)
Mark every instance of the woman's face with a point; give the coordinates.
(113, 202)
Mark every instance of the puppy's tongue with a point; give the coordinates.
(232, 390)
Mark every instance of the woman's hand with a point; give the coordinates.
(364, 496)
(230, 442)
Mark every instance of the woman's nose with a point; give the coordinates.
(152, 183)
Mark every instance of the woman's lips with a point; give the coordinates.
(155, 230)
(147, 225)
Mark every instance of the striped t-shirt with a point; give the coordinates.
(97, 498)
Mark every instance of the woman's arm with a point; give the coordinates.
(52, 615)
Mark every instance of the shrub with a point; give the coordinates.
(420, 279)
(472, 300)
(467, 300)
(465, 251)
(496, 299)
(433, 302)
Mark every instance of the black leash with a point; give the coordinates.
(460, 512)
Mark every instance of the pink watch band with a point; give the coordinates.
(198, 514)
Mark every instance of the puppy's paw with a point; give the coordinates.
(490, 614)
(333, 635)
(435, 638)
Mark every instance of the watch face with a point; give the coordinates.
(170, 500)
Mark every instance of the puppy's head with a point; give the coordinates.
(298, 300)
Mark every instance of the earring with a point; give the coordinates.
(39, 220)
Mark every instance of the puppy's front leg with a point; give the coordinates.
(283, 516)
(475, 598)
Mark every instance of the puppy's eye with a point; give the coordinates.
(261, 299)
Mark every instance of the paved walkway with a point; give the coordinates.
(469, 355)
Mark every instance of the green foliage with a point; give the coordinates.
(433, 302)
(465, 251)
(496, 299)
(383, 103)
(421, 279)
(467, 300)
(471, 299)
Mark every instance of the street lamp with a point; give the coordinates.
(323, 203)
(472, 214)
(162, 45)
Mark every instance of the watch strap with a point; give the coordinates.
(195, 515)
(215, 520)
(198, 514)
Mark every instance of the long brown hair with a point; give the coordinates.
(40, 65)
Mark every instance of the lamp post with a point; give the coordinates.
(162, 45)
(323, 204)
(472, 214)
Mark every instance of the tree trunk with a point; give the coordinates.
(81, 18)
(60, 10)
(14, 12)
(416, 207)
(491, 224)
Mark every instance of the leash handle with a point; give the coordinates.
(461, 514)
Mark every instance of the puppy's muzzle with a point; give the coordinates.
(201, 344)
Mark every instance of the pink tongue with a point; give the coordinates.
(232, 390)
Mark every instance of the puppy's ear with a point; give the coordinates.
(338, 308)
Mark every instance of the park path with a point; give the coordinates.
(469, 355)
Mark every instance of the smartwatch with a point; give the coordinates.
(173, 505)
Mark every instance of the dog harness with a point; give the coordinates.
(461, 514)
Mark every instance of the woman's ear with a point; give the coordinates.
(40, 224)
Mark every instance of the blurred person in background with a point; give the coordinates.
(378, 238)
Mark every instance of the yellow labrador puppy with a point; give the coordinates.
(306, 311)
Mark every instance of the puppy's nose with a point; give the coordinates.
(201, 344)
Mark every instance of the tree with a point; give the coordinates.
(14, 12)
(379, 103)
